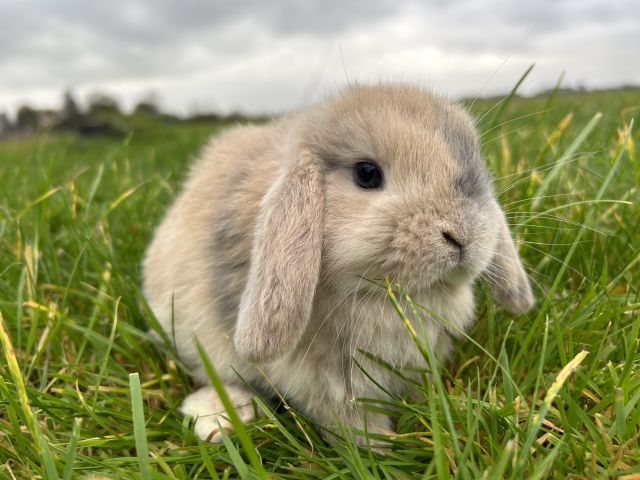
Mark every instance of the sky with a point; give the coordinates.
(259, 56)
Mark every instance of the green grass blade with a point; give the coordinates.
(238, 425)
(498, 472)
(71, 449)
(16, 375)
(237, 460)
(506, 101)
(542, 470)
(139, 426)
(47, 457)
(206, 458)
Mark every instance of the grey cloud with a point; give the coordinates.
(71, 39)
(264, 53)
(160, 21)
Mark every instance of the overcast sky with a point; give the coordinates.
(271, 56)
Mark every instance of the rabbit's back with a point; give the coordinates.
(196, 266)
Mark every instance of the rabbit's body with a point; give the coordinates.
(195, 293)
(266, 255)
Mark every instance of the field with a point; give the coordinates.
(554, 393)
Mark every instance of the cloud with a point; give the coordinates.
(271, 56)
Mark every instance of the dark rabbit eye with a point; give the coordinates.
(367, 175)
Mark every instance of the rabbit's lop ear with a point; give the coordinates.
(285, 264)
(509, 282)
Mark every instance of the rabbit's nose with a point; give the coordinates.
(452, 239)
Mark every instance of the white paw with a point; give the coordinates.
(207, 409)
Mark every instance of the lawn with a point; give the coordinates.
(554, 393)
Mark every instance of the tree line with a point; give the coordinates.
(101, 116)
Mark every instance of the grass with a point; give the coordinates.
(556, 393)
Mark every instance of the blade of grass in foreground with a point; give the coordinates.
(206, 459)
(71, 449)
(47, 457)
(235, 420)
(503, 461)
(236, 458)
(142, 450)
(440, 389)
(14, 369)
(40, 442)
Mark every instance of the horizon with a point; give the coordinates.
(84, 103)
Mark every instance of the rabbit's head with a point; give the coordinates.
(381, 181)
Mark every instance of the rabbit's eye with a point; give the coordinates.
(367, 175)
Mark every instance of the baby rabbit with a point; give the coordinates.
(267, 255)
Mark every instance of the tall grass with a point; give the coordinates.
(555, 393)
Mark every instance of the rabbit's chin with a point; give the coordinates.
(448, 275)
(413, 284)
(458, 276)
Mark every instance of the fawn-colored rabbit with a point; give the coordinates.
(267, 255)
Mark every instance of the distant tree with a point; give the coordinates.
(145, 107)
(70, 108)
(148, 104)
(5, 124)
(100, 103)
(27, 118)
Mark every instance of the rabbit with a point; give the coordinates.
(270, 255)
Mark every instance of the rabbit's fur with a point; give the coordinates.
(267, 255)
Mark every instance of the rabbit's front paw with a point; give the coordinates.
(205, 406)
